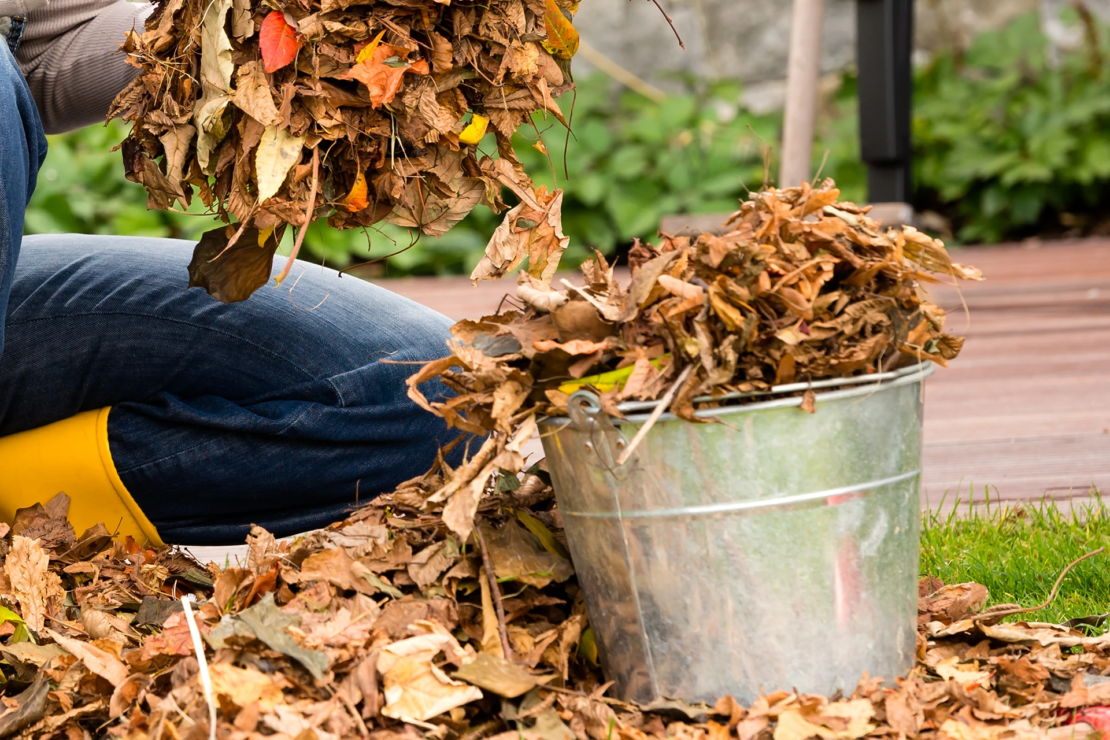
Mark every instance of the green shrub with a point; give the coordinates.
(631, 161)
(1006, 143)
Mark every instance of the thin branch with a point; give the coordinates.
(999, 613)
(495, 593)
(671, 23)
(655, 414)
(307, 218)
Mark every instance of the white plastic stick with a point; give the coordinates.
(205, 677)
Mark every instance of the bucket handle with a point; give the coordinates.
(604, 440)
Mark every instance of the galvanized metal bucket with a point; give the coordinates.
(776, 550)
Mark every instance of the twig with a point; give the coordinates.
(495, 593)
(205, 677)
(670, 23)
(620, 74)
(307, 218)
(239, 232)
(659, 409)
(483, 730)
(362, 728)
(998, 613)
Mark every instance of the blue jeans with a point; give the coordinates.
(274, 411)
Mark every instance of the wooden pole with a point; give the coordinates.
(801, 92)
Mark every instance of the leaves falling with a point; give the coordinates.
(392, 97)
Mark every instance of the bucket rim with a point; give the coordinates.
(864, 385)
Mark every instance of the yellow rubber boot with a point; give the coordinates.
(71, 456)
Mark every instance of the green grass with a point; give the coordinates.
(1018, 552)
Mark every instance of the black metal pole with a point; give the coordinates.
(884, 50)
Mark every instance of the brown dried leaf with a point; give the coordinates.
(498, 675)
(37, 590)
(100, 662)
(415, 689)
(254, 97)
(232, 274)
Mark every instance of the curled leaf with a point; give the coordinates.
(356, 200)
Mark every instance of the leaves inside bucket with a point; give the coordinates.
(799, 287)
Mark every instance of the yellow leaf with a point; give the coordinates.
(546, 538)
(562, 38)
(607, 381)
(368, 50)
(587, 646)
(263, 235)
(475, 130)
(277, 152)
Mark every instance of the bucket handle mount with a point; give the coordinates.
(604, 440)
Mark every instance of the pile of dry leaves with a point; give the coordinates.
(801, 288)
(282, 112)
(388, 626)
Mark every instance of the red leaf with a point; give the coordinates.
(279, 41)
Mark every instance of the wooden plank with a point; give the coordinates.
(800, 114)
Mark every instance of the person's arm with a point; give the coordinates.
(70, 55)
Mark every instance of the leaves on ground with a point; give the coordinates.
(297, 646)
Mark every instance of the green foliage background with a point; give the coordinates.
(1007, 143)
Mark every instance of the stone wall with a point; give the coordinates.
(748, 39)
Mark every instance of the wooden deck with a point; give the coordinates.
(1023, 412)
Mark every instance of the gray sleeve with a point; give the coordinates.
(70, 55)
